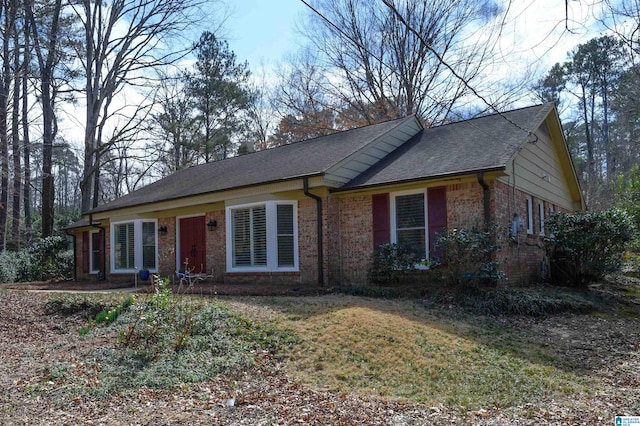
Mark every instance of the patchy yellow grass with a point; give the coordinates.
(398, 349)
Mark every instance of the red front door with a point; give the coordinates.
(192, 244)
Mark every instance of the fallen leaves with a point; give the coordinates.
(32, 394)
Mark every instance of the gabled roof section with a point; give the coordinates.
(335, 154)
(479, 144)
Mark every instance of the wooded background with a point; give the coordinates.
(150, 95)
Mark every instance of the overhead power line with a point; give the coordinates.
(401, 18)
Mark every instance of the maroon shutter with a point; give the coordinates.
(86, 251)
(381, 220)
(437, 204)
(101, 250)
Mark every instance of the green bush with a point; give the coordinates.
(584, 247)
(466, 256)
(48, 258)
(390, 262)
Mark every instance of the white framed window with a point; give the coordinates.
(529, 216)
(96, 252)
(409, 221)
(262, 237)
(134, 245)
(541, 217)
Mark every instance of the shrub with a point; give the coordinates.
(12, 265)
(48, 258)
(53, 257)
(390, 262)
(466, 256)
(584, 247)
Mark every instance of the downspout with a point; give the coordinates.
(104, 247)
(305, 183)
(486, 198)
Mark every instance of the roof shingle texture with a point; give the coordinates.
(484, 143)
(306, 158)
(478, 144)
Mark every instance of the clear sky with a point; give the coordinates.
(263, 30)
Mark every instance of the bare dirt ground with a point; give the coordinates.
(29, 395)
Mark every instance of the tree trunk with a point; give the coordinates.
(15, 147)
(28, 226)
(47, 154)
(47, 65)
(4, 143)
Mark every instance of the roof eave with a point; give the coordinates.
(451, 175)
(235, 188)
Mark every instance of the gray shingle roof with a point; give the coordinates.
(484, 143)
(306, 158)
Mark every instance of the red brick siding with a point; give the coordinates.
(308, 240)
(356, 238)
(216, 241)
(522, 255)
(332, 242)
(465, 205)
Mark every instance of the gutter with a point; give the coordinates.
(446, 176)
(305, 188)
(103, 248)
(486, 199)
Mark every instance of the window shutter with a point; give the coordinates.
(85, 252)
(437, 202)
(381, 219)
(101, 248)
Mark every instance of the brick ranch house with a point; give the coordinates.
(312, 212)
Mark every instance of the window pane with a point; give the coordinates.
(415, 241)
(149, 245)
(410, 223)
(410, 211)
(249, 238)
(285, 250)
(95, 251)
(124, 250)
(285, 235)
(259, 235)
(241, 234)
(285, 219)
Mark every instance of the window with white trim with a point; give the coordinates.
(96, 252)
(408, 221)
(541, 217)
(134, 244)
(529, 216)
(262, 237)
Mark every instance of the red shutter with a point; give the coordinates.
(437, 204)
(100, 248)
(381, 219)
(86, 251)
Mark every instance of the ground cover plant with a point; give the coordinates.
(339, 360)
(160, 341)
